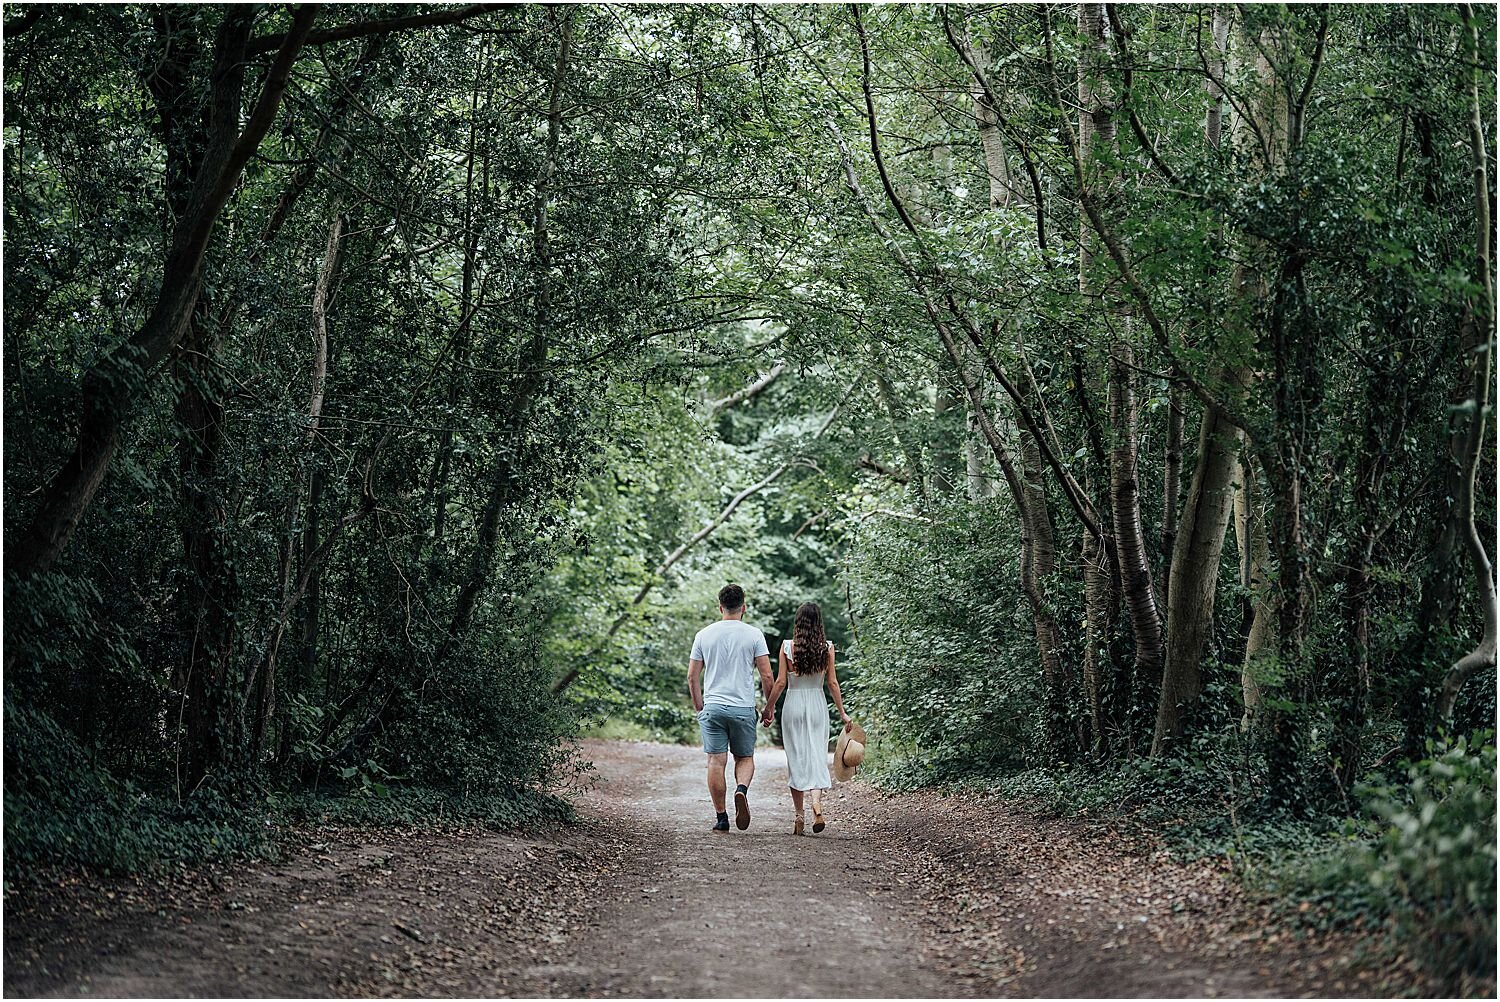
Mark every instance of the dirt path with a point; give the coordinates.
(757, 914)
(913, 895)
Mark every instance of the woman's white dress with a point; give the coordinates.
(804, 728)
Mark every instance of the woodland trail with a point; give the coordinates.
(903, 896)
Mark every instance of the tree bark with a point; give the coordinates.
(1038, 570)
(1104, 577)
(1171, 483)
(211, 592)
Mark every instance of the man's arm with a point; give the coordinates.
(695, 669)
(763, 665)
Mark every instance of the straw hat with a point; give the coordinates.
(849, 753)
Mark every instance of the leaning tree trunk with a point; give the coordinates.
(111, 388)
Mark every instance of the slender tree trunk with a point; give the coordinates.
(1039, 568)
(513, 431)
(1255, 570)
(1130, 539)
(211, 592)
(262, 679)
(1096, 131)
(1098, 627)
(1481, 323)
(945, 461)
(1171, 489)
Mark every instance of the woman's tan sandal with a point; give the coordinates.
(818, 824)
(797, 826)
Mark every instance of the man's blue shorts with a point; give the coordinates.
(730, 728)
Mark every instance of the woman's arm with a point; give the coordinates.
(769, 713)
(833, 686)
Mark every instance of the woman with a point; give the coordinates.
(806, 666)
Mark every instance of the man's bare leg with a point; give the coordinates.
(744, 769)
(716, 784)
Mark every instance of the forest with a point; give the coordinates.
(390, 389)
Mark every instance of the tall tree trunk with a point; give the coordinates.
(1096, 131)
(1098, 627)
(1194, 571)
(210, 596)
(1171, 486)
(1038, 569)
(1255, 569)
(949, 439)
(1130, 538)
(1481, 324)
(1194, 576)
(513, 427)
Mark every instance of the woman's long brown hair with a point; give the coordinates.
(809, 642)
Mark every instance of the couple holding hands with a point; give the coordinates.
(726, 657)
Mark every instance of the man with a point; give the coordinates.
(727, 654)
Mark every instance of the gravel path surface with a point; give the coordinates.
(913, 895)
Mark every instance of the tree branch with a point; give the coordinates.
(755, 389)
(360, 29)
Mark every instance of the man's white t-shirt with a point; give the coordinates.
(728, 650)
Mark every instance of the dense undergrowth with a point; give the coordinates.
(64, 810)
(1412, 858)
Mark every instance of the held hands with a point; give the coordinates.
(768, 716)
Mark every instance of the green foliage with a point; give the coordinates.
(64, 809)
(1435, 857)
(946, 660)
(482, 724)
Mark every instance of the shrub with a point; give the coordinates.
(61, 808)
(1436, 856)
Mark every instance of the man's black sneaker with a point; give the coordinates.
(722, 825)
(741, 809)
